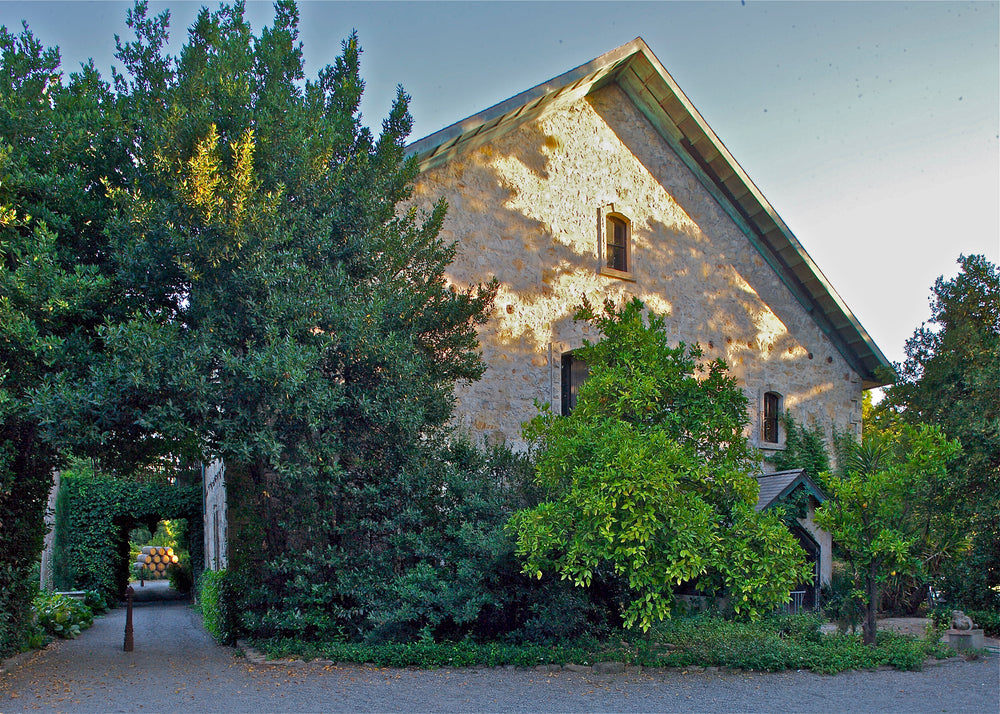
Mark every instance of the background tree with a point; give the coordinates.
(950, 379)
(873, 512)
(648, 479)
(287, 314)
(59, 158)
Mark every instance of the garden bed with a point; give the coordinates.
(772, 644)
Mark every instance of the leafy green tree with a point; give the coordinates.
(58, 161)
(648, 479)
(874, 504)
(950, 379)
(805, 448)
(287, 314)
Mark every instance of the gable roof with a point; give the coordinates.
(635, 69)
(774, 487)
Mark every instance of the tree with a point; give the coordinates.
(805, 448)
(950, 379)
(287, 313)
(874, 504)
(59, 153)
(648, 479)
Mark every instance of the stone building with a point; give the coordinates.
(607, 182)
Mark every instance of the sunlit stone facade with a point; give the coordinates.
(529, 207)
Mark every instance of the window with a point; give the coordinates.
(574, 371)
(615, 244)
(616, 253)
(772, 408)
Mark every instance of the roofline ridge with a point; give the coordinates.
(462, 126)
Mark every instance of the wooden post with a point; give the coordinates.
(129, 592)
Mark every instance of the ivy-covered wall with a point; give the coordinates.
(93, 520)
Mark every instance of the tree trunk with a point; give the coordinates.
(871, 592)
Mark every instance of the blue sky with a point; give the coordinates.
(873, 128)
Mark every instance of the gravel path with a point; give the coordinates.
(176, 667)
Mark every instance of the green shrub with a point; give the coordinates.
(181, 578)
(62, 616)
(95, 601)
(841, 603)
(216, 604)
(16, 592)
(445, 569)
(775, 643)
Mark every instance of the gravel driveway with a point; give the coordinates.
(176, 667)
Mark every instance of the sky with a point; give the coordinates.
(872, 127)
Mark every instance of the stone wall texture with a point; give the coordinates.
(216, 517)
(527, 208)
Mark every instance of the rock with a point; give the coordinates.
(961, 640)
(609, 667)
(960, 621)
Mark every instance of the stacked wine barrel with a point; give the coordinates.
(156, 558)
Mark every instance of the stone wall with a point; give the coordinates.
(46, 570)
(825, 542)
(216, 520)
(528, 209)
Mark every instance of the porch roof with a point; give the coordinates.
(774, 487)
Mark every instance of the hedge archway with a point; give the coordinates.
(94, 515)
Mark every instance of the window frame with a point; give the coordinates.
(567, 394)
(609, 215)
(770, 397)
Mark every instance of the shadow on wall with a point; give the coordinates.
(526, 208)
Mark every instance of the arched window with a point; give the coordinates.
(771, 411)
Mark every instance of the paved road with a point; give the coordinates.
(176, 667)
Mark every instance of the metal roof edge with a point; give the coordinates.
(873, 378)
(463, 126)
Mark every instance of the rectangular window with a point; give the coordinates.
(614, 245)
(772, 405)
(617, 248)
(574, 371)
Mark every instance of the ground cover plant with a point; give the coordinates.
(66, 617)
(773, 643)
